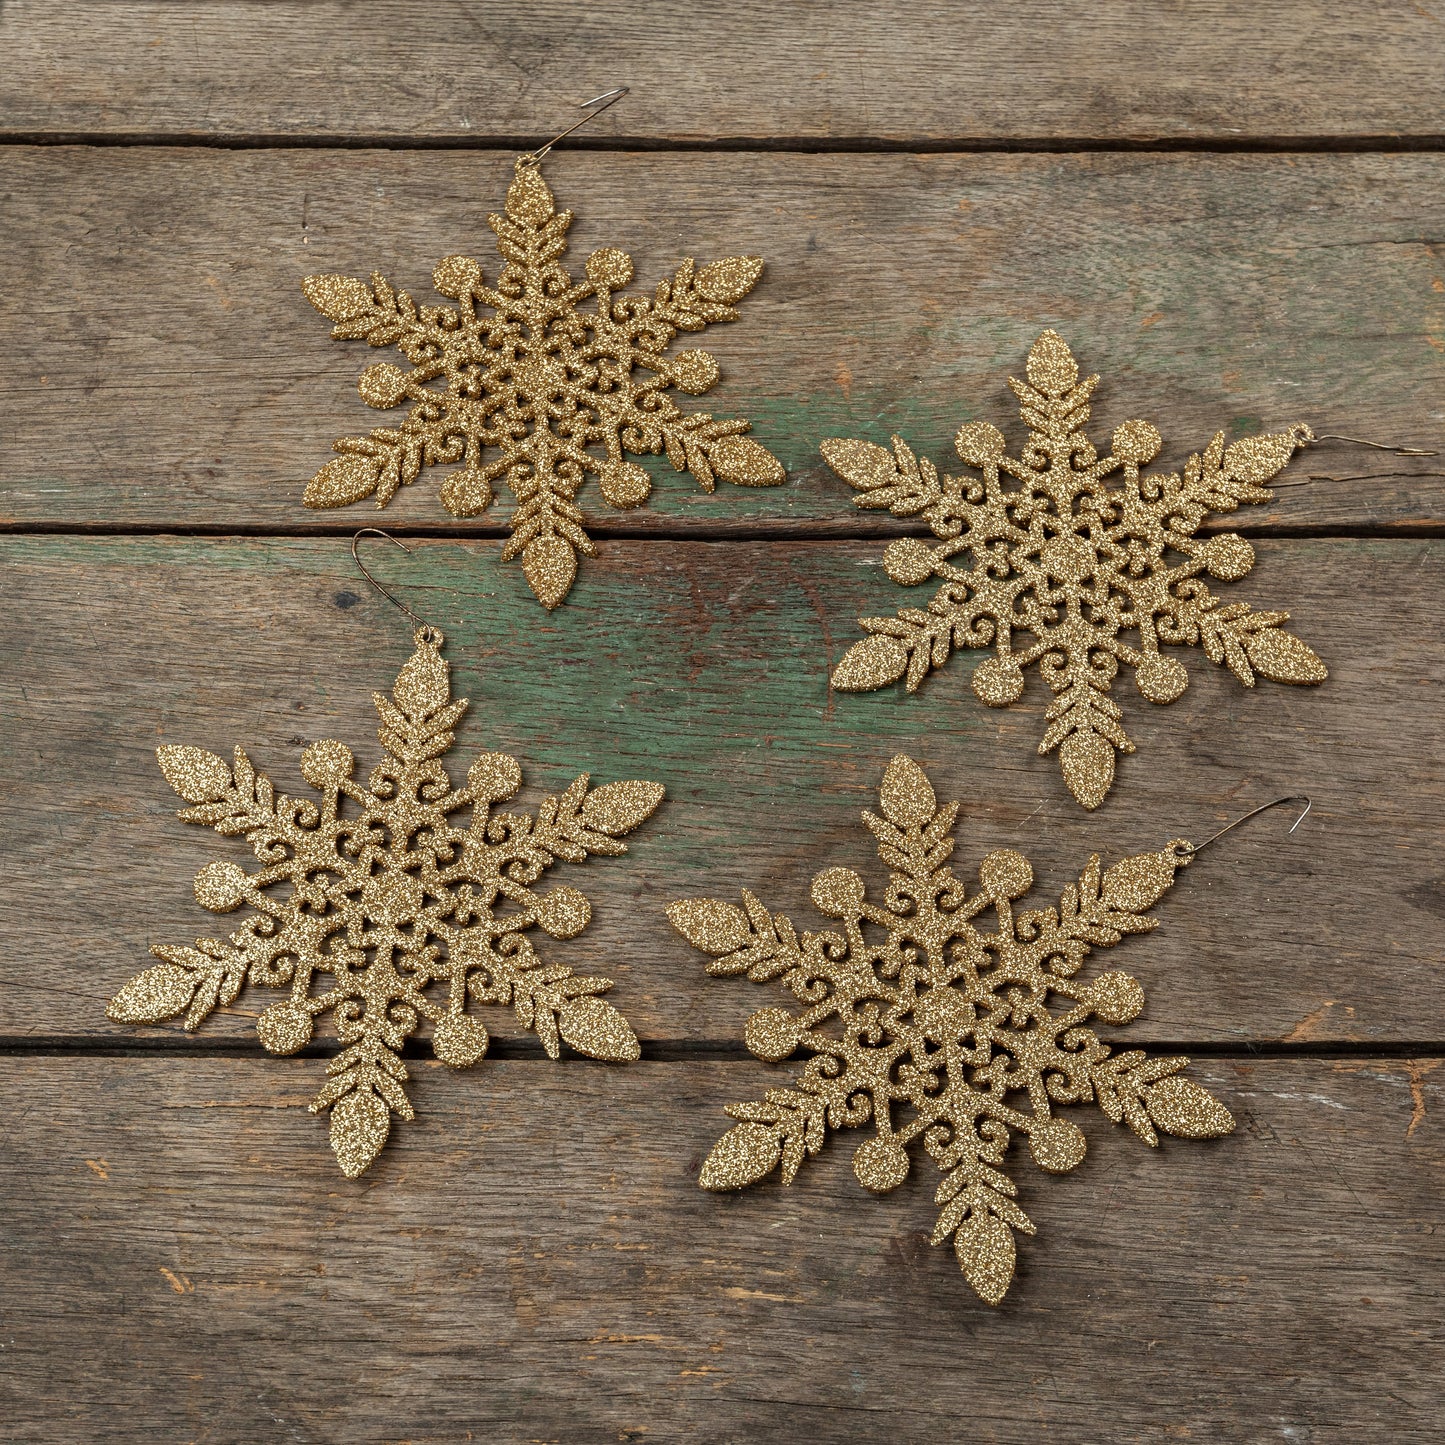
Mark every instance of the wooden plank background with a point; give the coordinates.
(741, 71)
(538, 1263)
(1232, 212)
(194, 389)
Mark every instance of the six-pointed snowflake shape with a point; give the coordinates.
(1071, 564)
(529, 375)
(935, 1029)
(388, 902)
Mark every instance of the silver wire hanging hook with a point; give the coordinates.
(1305, 437)
(1191, 849)
(427, 632)
(1377, 446)
(1359, 477)
(607, 98)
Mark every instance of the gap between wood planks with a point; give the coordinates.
(794, 145)
(710, 531)
(669, 1051)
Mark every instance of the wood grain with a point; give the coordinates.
(163, 369)
(532, 1260)
(946, 73)
(705, 666)
(1233, 214)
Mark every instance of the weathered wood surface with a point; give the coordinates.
(162, 368)
(945, 73)
(532, 1260)
(704, 666)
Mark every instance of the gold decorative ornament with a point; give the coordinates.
(935, 1029)
(409, 917)
(1071, 564)
(553, 390)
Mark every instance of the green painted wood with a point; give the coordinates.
(704, 666)
(164, 370)
(944, 73)
(532, 1260)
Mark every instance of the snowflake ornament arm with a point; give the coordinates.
(538, 393)
(941, 1032)
(1053, 569)
(408, 917)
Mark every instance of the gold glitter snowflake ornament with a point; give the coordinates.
(406, 916)
(926, 1026)
(1061, 565)
(551, 388)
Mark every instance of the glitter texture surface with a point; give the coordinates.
(553, 390)
(1062, 565)
(407, 917)
(924, 1025)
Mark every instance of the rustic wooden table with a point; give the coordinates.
(1232, 212)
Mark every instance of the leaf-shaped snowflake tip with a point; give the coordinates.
(928, 1027)
(530, 376)
(390, 902)
(1071, 564)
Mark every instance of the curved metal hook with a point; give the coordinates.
(1192, 848)
(1377, 446)
(1362, 477)
(607, 98)
(426, 627)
